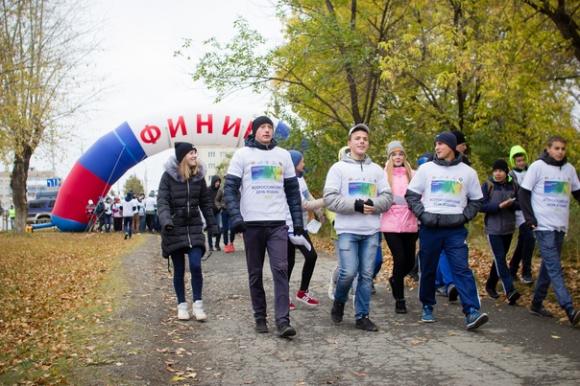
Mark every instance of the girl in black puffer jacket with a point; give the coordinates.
(182, 193)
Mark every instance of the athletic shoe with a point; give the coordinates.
(331, 286)
(400, 306)
(365, 324)
(217, 248)
(452, 293)
(232, 248)
(228, 248)
(306, 298)
(527, 279)
(491, 292)
(337, 311)
(210, 249)
(540, 311)
(291, 306)
(427, 315)
(182, 313)
(513, 297)
(286, 330)
(475, 319)
(261, 326)
(373, 289)
(198, 312)
(574, 317)
(441, 291)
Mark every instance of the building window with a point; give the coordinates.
(211, 166)
(211, 154)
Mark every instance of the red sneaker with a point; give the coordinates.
(291, 305)
(232, 249)
(306, 298)
(228, 248)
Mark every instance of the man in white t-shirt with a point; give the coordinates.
(445, 194)
(356, 189)
(259, 183)
(545, 200)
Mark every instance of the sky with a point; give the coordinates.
(139, 75)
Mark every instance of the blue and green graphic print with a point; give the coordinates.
(557, 188)
(267, 173)
(362, 189)
(451, 187)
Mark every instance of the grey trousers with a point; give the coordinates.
(256, 241)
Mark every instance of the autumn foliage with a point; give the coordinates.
(47, 279)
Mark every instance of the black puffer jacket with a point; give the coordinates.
(213, 193)
(178, 205)
(232, 194)
(435, 220)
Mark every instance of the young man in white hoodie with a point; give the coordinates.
(358, 191)
(445, 194)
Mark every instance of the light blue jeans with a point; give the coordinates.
(550, 243)
(357, 259)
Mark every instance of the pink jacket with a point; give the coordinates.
(399, 218)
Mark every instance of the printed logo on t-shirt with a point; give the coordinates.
(556, 188)
(362, 189)
(452, 187)
(267, 173)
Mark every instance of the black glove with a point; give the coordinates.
(359, 205)
(298, 231)
(239, 227)
(369, 202)
(168, 228)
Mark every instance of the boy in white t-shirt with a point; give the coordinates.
(545, 200)
(259, 183)
(445, 194)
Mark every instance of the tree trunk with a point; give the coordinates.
(18, 180)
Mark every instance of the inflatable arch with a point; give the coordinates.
(133, 141)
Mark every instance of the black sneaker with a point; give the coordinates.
(574, 317)
(365, 324)
(527, 279)
(513, 297)
(261, 326)
(540, 311)
(210, 249)
(337, 311)
(400, 307)
(286, 330)
(452, 293)
(217, 248)
(491, 292)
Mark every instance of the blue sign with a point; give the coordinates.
(53, 182)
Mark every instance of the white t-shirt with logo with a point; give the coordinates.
(446, 189)
(352, 182)
(128, 207)
(262, 173)
(551, 187)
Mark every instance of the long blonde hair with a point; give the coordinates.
(186, 171)
(389, 169)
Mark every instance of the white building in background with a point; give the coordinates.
(212, 157)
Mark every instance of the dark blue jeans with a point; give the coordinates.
(550, 243)
(228, 234)
(128, 225)
(432, 242)
(524, 252)
(178, 258)
(500, 245)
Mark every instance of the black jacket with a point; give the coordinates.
(434, 220)
(499, 221)
(178, 206)
(213, 192)
(232, 194)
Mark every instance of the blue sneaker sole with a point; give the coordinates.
(428, 320)
(483, 318)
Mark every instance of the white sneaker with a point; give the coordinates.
(182, 313)
(198, 312)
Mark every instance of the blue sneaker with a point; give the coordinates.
(475, 319)
(427, 316)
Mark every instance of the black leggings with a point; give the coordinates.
(310, 257)
(402, 246)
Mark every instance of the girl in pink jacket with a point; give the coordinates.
(399, 224)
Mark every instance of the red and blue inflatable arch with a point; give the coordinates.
(133, 141)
